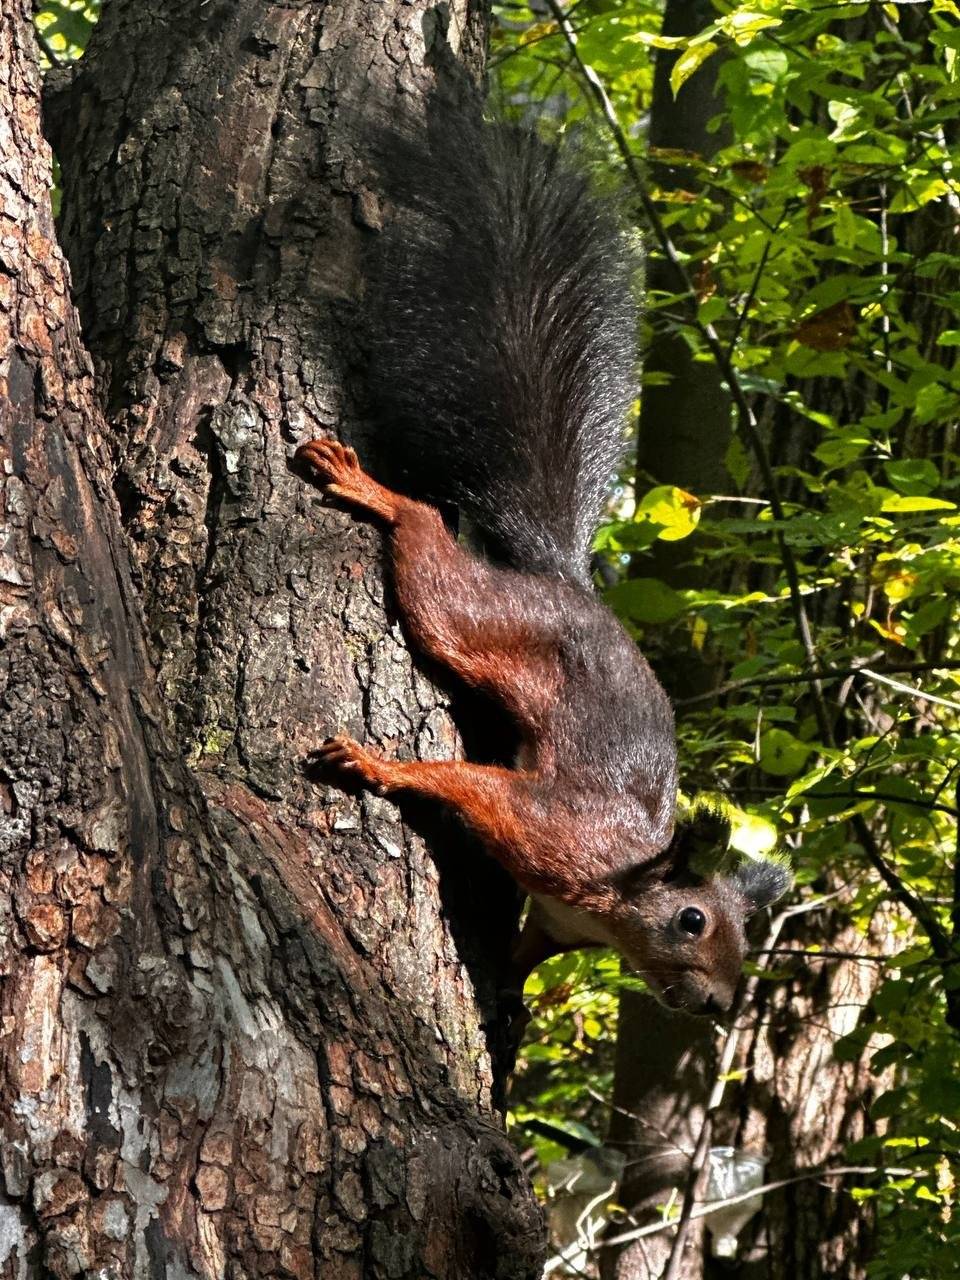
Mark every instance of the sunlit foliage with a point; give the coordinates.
(820, 244)
(64, 28)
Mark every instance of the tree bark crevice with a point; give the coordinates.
(243, 1032)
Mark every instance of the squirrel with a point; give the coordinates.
(505, 361)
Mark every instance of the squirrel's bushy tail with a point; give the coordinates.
(504, 340)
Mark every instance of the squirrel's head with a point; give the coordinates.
(684, 929)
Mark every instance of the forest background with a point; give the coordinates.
(785, 546)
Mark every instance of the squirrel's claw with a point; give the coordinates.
(345, 755)
(333, 460)
(342, 476)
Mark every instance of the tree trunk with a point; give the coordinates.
(661, 1083)
(246, 1029)
(802, 1103)
(685, 424)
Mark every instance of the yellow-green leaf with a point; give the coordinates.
(654, 41)
(781, 754)
(688, 62)
(913, 195)
(675, 510)
(750, 834)
(916, 502)
(744, 24)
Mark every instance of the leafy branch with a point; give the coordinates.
(749, 428)
(748, 425)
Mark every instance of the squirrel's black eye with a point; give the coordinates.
(692, 920)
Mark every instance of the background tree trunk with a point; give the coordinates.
(791, 1099)
(244, 1032)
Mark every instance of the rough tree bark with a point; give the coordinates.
(246, 1030)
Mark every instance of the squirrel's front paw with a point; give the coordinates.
(342, 754)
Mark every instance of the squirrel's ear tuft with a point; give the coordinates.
(701, 837)
(762, 881)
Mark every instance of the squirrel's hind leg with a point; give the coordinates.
(342, 476)
(498, 630)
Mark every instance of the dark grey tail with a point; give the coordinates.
(504, 346)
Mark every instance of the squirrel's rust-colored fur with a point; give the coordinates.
(506, 382)
(584, 822)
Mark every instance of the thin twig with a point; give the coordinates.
(714, 1206)
(885, 797)
(522, 46)
(834, 673)
(906, 688)
(752, 293)
(734, 497)
(823, 955)
(939, 941)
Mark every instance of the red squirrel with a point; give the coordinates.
(505, 363)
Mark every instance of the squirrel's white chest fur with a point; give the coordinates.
(567, 924)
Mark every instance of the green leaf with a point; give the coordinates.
(674, 510)
(905, 503)
(626, 536)
(912, 475)
(737, 461)
(645, 600)
(688, 62)
(946, 39)
(781, 754)
(712, 309)
(845, 226)
(930, 615)
(811, 779)
(744, 24)
(933, 401)
(918, 192)
(843, 448)
(572, 1128)
(888, 1104)
(654, 40)
(767, 64)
